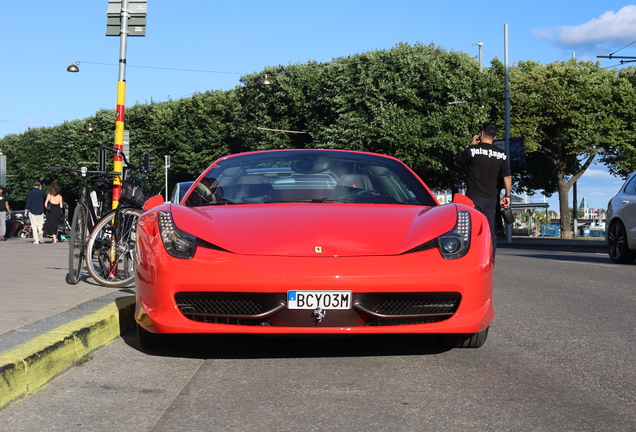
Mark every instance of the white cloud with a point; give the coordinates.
(609, 31)
(599, 172)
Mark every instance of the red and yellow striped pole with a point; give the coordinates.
(119, 140)
(118, 164)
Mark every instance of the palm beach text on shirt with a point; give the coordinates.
(489, 153)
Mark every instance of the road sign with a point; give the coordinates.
(126, 143)
(137, 10)
(114, 30)
(135, 7)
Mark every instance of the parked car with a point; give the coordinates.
(312, 242)
(620, 224)
(18, 225)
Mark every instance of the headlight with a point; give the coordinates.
(178, 243)
(455, 243)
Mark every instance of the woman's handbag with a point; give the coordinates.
(48, 207)
(508, 217)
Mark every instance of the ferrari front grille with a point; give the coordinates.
(219, 307)
(228, 308)
(416, 307)
(386, 309)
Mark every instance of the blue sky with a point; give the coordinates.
(198, 45)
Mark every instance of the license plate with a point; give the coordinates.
(326, 300)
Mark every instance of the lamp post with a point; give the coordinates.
(507, 115)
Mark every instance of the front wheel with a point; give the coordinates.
(26, 232)
(110, 252)
(617, 246)
(78, 241)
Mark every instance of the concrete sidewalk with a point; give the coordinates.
(48, 325)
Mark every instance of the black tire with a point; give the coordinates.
(617, 246)
(78, 242)
(118, 226)
(24, 233)
(470, 340)
(152, 341)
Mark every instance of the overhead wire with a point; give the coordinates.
(611, 54)
(77, 62)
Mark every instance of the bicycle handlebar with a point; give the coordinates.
(118, 152)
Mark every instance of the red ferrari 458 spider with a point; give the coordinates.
(313, 242)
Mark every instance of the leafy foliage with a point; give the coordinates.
(566, 113)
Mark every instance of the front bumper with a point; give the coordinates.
(218, 292)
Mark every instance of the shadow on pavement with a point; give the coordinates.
(255, 347)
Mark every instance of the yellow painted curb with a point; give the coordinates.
(31, 365)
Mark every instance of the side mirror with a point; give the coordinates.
(463, 199)
(152, 202)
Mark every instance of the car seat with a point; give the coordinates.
(254, 188)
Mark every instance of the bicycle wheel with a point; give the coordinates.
(78, 242)
(110, 252)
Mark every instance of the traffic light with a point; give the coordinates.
(149, 162)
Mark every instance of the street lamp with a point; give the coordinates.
(73, 67)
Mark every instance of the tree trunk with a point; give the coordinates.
(564, 209)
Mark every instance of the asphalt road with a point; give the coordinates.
(560, 356)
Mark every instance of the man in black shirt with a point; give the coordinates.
(35, 206)
(485, 163)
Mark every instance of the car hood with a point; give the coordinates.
(326, 229)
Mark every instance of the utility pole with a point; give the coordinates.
(121, 8)
(507, 116)
(121, 102)
(575, 224)
(480, 44)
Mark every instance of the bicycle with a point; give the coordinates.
(86, 215)
(110, 249)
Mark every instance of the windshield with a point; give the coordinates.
(319, 176)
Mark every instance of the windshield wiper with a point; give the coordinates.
(290, 201)
(221, 201)
(337, 200)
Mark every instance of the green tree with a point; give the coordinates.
(193, 131)
(621, 160)
(565, 111)
(394, 102)
(31, 154)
